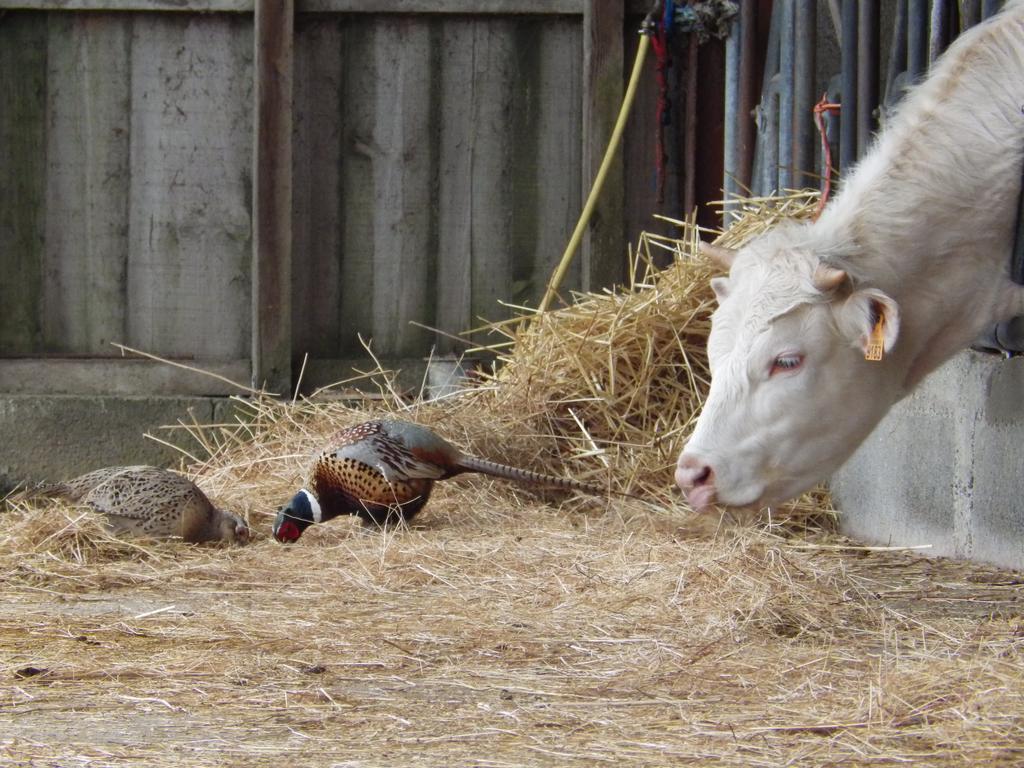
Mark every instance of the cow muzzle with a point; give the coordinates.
(696, 478)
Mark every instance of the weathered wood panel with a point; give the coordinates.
(125, 184)
(311, 6)
(403, 149)
(87, 183)
(475, 247)
(602, 98)
(436, 171)
(23, 52)
(357, 191)
(436, 174)
(317, 292)
(272, 196)
(189, 218)
(548, 192)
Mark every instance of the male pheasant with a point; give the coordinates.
(150, 502)
(383, 471)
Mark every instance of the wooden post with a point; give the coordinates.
(604, 247)
(272, 196)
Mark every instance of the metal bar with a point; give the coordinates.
(970, 13)
(273, 38)
(804, 96)
(690, 128)
(748, 91)
(917, 38)
(766, 155)
(897, 53)
(848, 88)
(990, 8)
(786, 76)
(938, 30)
(867, 73)
(731, 133)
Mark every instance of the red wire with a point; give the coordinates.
(660, 45)
(820, 109)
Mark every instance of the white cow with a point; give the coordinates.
(913, 254)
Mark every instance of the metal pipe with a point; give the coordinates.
(748, 91)
(770, 133)
(917, 38)
(690, 127)
(867, 73)
(731, 129)
(786, 76)
(897, 54)
(848, 88)
(766, 154)
(806, 26)
(938, 32)
(970, 13)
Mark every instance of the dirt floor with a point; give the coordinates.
(498, 631)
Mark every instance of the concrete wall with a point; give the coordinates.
(47, 438)
(945, 467)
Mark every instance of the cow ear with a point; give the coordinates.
(719, 254)
(869, 313)
(720, 285)
(828, 279)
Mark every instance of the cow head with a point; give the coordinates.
(792, 394)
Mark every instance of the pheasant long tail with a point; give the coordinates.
(473, 464)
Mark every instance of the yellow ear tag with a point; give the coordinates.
(876, 342)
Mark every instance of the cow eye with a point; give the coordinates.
(787, 363)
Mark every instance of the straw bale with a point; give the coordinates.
(505, 627)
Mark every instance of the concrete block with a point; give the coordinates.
(49, 437)
(944, 468)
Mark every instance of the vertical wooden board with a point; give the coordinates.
(554, 194)
(403, 241)
(639, 145)
(190, 231)
(454, 190)
(271, 282)
(495, 84)
(22, 173)
(317, 161)
(604, 244)
(87, 183)
(359, 154)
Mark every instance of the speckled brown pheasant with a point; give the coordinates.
(383, 471)
(151, 502)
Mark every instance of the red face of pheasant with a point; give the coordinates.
(287, 532)
(300, 513)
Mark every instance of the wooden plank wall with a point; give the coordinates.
(127, 192)
(439, 162)
(437, 172)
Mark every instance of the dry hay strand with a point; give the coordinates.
(63, 532)
(618, 377)
(497, 630)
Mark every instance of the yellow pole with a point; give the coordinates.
(588, 209)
